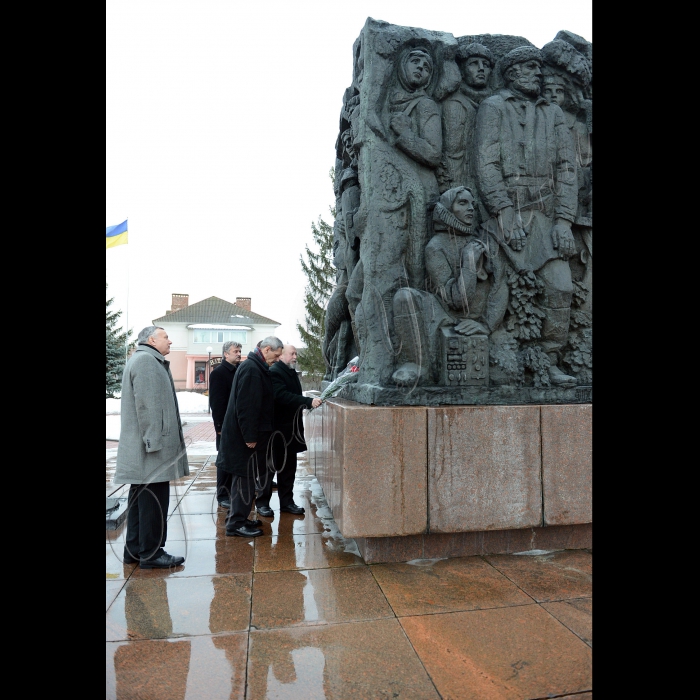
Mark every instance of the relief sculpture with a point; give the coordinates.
(464, 220)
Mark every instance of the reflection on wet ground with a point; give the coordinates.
(296, 613)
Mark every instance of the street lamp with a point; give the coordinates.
(209, 350)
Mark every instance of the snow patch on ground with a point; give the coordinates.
(188, 402)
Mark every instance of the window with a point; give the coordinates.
(200, 372)
(207, 336)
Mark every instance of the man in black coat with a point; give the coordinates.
(220, 382)
(289, 406)
(246, 432)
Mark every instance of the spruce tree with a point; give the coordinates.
(117, 349)
(319, 271)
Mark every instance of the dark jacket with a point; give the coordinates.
(289, 405)
(220, 382)
(249, 418)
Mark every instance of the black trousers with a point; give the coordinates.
(224, 480)
(147, 520)
(284, 478)
(242, 496)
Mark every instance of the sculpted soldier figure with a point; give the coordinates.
(526, 175)
(459, 112)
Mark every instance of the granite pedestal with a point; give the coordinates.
(410, 482)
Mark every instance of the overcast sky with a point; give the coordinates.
(222, 118)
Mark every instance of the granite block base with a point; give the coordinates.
(384, 550)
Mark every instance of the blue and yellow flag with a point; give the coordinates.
(118, 235)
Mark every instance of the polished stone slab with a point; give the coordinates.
(551, 576)
(223, 555)
(158, 608)
(512, 652)
(211, 667)
(567, 464)
(375, 550)
(426, 586)
(484, 468)
(349, 661)
(576, 614)
(304, 552)
(373, 461)
(113, 588)
(319, 596)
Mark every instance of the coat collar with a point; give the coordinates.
(507, 94)
(252, 355)
(145, 347)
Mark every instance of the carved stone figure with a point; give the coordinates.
(526, 174)
(463, 232)
(459, 113)
(566, 82)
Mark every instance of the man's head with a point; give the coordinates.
(476, 64)
(232, 352)
(271, 349)
(156, 337)
(289, 356)
(522, 70)
(416, 69)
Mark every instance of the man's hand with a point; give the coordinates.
(251, 444)
(470, 327)
(315, 403)
(563, 239)
(400, 123)
(511, 225)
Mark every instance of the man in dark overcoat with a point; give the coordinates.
(246, 432)
(220, 383)
(151, 449)
(289, 405)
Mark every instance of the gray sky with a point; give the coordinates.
(222, 118)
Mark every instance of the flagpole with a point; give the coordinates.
(126, 342)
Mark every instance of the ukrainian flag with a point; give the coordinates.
(118, 235)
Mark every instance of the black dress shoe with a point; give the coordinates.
(164, 561)
(292, 508)
(244, 531)
(128, 559)
(225, 504)
(265, 511)
(252, 523)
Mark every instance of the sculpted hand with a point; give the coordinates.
(512, 226)
(471, 254)
(251, 444)
(470, 327)
(400, 123)
(315, 403)
(563, 239)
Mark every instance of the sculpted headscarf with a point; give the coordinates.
(443, 209)
(403, 79)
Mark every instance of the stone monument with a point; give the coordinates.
(463, 244)
(463, 236)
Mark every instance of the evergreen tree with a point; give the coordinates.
(117, 349)
(319, 270)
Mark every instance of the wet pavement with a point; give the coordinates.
(297, 613)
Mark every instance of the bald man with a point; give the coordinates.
(289, 406)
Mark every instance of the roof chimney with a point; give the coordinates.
(180, 301)
(243, 302)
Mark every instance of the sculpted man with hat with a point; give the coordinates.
(526, 178)
(459, 112)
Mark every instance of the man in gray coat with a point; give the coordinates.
(151, 449)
